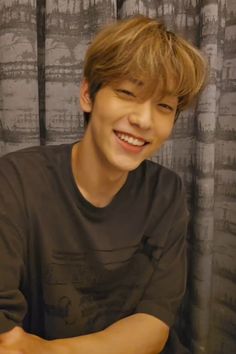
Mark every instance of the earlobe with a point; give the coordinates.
(85, 101)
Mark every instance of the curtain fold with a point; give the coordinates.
(42, 46)
(70, 26)
(19, 118)
(40, 11)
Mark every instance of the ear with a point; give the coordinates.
(84, 97)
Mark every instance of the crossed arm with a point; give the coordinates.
(136, 334)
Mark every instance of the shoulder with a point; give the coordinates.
(33, 156)
(34, 166)
(166, 200)
(163, 193)
(160, 180)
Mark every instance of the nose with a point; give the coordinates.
(141, 116)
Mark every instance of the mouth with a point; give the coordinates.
(130, 139)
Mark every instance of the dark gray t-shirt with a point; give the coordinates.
(69, 268)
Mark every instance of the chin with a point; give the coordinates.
(127, 166)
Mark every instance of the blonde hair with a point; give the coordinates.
(142, 50)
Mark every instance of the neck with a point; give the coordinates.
(97, 181)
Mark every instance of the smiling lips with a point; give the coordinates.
(130, 139)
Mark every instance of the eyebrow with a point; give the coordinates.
(136, 82)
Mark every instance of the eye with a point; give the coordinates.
(165, 107)
(125, 92)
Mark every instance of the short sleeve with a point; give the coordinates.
(166, 287)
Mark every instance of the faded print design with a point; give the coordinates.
(83, 296)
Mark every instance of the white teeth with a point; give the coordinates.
(130, 139)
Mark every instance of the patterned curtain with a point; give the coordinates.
(42, 45)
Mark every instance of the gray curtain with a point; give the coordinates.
(42, 45)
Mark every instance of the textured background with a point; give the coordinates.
(42, 45)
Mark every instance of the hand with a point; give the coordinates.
(17, 341)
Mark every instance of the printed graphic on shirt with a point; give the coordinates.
(82, 296)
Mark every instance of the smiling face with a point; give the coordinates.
(123, 129)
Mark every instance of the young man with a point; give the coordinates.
(92, 234)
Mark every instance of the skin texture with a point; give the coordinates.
(118, 109)
(115, 109)
(136, 334)
(17, 341)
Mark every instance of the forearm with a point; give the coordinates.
(136, 334)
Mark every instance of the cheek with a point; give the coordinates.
(111, 107)
(163, 129)
(106, 111)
